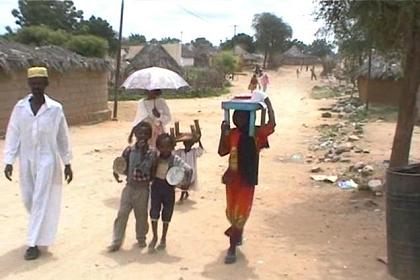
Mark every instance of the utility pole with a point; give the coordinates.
(181, 36)
(234, 30)
(117, 70)
(369, 76)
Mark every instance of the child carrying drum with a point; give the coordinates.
(190, 154)
(162, 192)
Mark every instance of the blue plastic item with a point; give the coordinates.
(245, 105)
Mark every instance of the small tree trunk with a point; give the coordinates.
(265, 57)
(407, 108)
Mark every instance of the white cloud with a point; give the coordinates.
(214, 20)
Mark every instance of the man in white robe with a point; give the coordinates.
(38, 134)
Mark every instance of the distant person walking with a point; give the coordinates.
(313, 75)
(297, 72)
(253, 84)
(264, 81)
(257, 70)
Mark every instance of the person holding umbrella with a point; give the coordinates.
(154, 110)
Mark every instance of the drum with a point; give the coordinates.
(120, 165)
(175, 175)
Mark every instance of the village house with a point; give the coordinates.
(148, 56)
(294, 56)
(246, 58)
(185, 55)
(79, 83)
(384, 87)
(182, 54)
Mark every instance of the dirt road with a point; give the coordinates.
(296, 231)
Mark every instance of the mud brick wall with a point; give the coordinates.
(385, 92)
(83, 95)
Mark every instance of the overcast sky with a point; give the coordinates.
(213, 19)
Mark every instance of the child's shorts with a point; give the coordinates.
(162, 198)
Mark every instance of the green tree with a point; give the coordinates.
(53, 22)
(40, 36)
(88, 45)
(201, 42)
(54, 14)
(388, 26)
(153, 41)
(272, 34)
(101, 28)
(9, 35)
(244, 40)
(320, 48)
(136, 39)
(225, 62)
(299, 44)
(169, 40)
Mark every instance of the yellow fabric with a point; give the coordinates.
(37, 72)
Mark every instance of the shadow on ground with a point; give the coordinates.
(12, 262)
(220, 271)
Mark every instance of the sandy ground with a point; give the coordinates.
(296, 230)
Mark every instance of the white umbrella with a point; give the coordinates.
(154, 78)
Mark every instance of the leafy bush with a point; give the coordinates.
(41, 35)
(204, 78)
(58, 37)
(88, 45)
(225, 62)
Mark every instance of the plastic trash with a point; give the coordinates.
(347, 184)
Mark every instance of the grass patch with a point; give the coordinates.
(385, 113)
(322, 92)
(136, 95)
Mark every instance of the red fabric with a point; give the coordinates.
(240, 195)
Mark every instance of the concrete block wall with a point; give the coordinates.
(83, 94)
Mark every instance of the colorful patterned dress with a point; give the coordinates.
(239, 193)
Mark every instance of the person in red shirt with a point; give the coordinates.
(242, 174)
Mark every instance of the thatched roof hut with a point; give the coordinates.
(15, 56)
(385, 84)
(152, 55)
(381, 69)
(187, 51)
(203, 55)
(79, 83)
(294, 56)
(247, 59)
